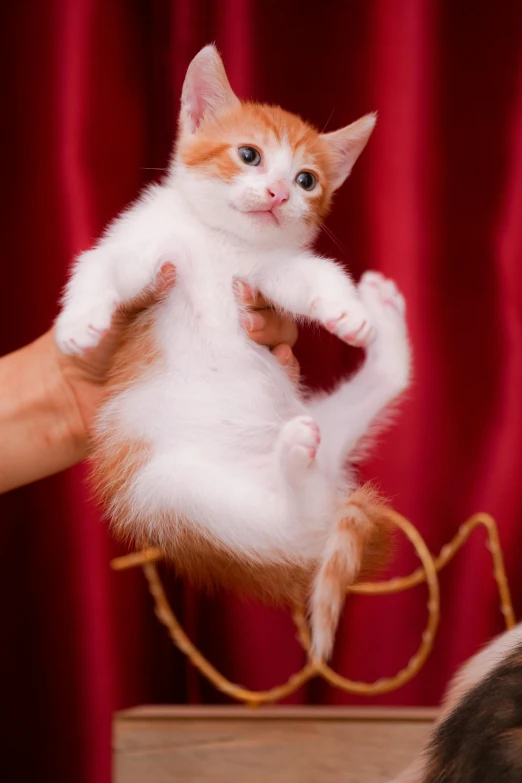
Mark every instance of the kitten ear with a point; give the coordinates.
(347, 144)
(206, 89)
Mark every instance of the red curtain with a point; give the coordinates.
(90, 95)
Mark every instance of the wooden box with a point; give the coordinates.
(269, 745)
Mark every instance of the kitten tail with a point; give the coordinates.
(359, 543)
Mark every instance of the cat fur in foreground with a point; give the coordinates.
(204, 447)
(478, 736)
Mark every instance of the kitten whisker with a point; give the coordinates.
(334, 239)
(323, 130)
(328, 120)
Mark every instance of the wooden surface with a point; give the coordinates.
(276, 745)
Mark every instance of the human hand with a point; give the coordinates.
(49, 400)
(266, 326)
(86, 375)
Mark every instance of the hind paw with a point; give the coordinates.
(299, 442)
(379, 293)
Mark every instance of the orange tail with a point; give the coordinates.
(359, 543)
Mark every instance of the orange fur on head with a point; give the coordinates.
(212, 147)
(214, 124)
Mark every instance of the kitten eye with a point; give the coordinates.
(250, 156)
(306, 180)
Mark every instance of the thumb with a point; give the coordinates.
(164, 282)
(284, 355)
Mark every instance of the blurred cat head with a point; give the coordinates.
(257, 171)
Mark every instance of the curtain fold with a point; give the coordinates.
(90, 99)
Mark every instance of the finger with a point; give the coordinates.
(165, 280)
(266, 327)
(248, 297)
(288, 362)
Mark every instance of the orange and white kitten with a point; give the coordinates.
(204, 447)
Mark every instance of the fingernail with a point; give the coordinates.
(252, 322)
(242, 290)
(285, 354)
(166, 277)
(247, 321)
(258, 322)
(167, 269)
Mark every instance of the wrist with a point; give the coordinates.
(59, 403)
(42, 430)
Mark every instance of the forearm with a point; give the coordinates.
(321, 290)
(296, 283)
(41, 430)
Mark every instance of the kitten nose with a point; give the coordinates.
(278, 193)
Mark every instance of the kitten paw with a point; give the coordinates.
(299, 441)
(381, 297)
(347, 320)
(390, 349)
(76, 332)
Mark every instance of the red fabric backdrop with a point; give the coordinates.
(90, 94)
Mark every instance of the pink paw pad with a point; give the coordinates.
(331, 325)
(301, 438)
(96, 330)
(316, 436)
(391, 303)
(315, 431)
(351, 337)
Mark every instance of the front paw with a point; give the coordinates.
(348, 320)
(77, 330)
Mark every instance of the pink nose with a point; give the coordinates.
(278, 193)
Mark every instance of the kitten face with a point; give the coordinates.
(257, 171)
(260, 172)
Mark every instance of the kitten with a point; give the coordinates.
(204, 447)
(478, 737)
